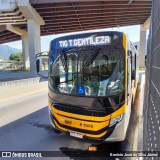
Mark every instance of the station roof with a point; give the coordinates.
(62, 16)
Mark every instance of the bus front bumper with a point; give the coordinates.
(112, 133)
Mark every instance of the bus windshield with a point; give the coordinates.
(87, 71)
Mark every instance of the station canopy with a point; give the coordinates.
(62, 16)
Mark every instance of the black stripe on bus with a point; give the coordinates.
(83, 119)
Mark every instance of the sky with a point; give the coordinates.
(132, 31)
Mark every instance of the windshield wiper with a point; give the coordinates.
(92, 58)
(64, 60)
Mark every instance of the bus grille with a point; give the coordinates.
(82, 111)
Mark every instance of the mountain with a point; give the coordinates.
(6, 51)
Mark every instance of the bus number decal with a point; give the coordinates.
(68, 122)
(88, 125)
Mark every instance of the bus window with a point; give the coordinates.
(63, 73)
(89, 71)
(129, 74)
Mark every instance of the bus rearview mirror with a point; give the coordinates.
(42, 64)
(38, 65)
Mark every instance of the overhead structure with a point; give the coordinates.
(62, 16)
(30, 19)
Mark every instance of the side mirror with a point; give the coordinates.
(42, 64)
(38, 65)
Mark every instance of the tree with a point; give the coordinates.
(16, 57)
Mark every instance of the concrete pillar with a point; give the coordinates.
(34, 42)
(34, 20)
(25, 50)
(142, 47)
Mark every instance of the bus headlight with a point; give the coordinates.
(115, 120)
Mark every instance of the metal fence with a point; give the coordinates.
(151, 123)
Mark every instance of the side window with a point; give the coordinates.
(129, 72)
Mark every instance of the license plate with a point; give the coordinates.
(75, 134)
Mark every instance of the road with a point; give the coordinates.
(25, 126)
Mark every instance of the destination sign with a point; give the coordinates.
(89, 41)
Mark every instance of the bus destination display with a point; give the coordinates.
(89, 41)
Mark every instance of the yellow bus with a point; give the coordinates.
(92, 84)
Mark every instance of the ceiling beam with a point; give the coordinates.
(94, 18)
(98, 6)
(116, 5)
(97, 24)
(54, 14)
(98, 14)
(29, 12)
(11, 17)
(16, 30)
(12, 20)
(93, 21)
(60, 1)
(71, 9)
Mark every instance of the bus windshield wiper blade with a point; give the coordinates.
(92, 58)
(63, 59)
